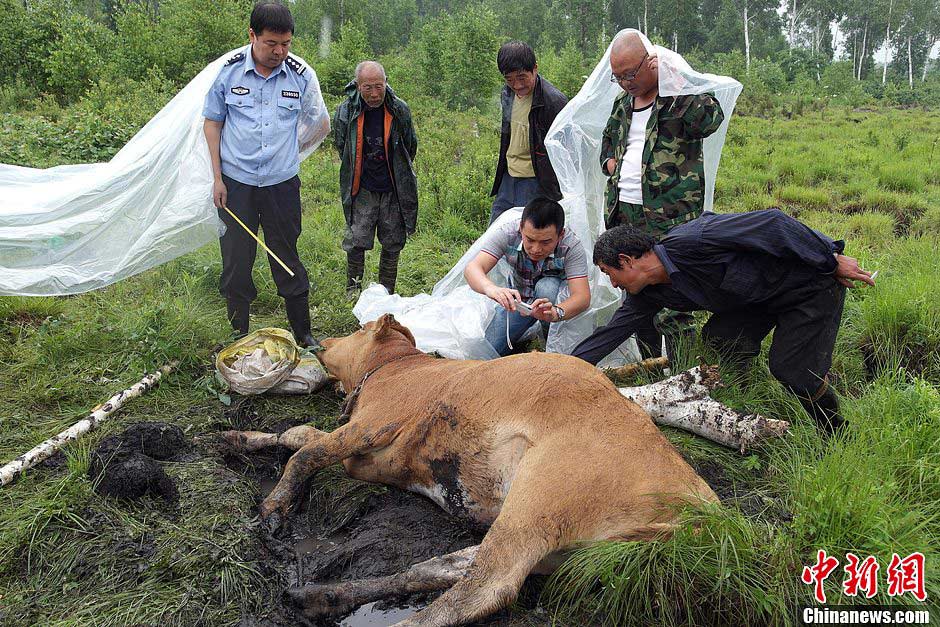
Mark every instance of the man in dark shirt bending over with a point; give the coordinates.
(755, 272)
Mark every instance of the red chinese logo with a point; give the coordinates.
(907, 575)
(861, 576)
(817, 573)
(903, 575)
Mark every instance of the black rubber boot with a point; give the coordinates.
(355, 268)
(825, 411)
(298, 314)
(388, 270)
(238, 315)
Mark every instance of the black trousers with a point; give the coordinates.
(277, 209)
(805, 320)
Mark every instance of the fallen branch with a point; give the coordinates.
(98, 415)
(683, 401)
(653, 363)
(437, 573)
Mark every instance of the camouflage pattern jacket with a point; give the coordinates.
(673, 171)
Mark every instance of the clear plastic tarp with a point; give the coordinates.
(75, 228)
(452, 319)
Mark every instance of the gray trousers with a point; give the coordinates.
(375, 213)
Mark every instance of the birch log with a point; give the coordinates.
(683, 401)
(98, 415)
(653, 363)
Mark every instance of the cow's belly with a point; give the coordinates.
(467, 479)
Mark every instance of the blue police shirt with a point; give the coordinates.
(260, 114)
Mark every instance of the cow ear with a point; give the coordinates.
(383, 326)
(404, 331)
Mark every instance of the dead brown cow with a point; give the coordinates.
(542, 448)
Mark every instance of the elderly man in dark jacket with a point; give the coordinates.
(376, 141)
(529, 104)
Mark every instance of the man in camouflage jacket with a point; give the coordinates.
(652, 151)
(670, 172)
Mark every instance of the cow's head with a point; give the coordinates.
(350, 358)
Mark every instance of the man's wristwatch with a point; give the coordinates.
(560, 312)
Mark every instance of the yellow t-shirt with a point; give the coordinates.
(518, 156)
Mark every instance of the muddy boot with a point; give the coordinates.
(298, 314)
(388, 269)
(238, 316)
(355, 268)
(824, 409)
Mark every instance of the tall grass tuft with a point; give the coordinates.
(713, 570)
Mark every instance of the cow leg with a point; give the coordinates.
(531, 526)
(321, 449)
(323, 600)
(249, 441)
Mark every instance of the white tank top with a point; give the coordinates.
(631, 189)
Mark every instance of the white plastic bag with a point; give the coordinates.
(75, 228)
(268, 360)
(574, 144)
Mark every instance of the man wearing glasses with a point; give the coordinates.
(652, 152)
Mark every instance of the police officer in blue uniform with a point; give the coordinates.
(264, 107)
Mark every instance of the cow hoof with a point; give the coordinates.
(233, 441)
(272, 523)
(316, 601)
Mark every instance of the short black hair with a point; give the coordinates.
(542, 212)
(621, 240)
(271, 16)
(515, 56)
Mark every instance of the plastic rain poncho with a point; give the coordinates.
(75, 228)
(442, 322)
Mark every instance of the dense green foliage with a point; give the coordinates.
(61, 49)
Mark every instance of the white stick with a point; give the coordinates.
(682, 401)
(90, 422)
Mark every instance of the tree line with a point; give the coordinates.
(446, 48)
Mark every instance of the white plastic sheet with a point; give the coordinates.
(574, 144)
(75, 228)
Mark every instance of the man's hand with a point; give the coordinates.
(848, 270)
(544, 310)
(219, 193)
(610, 166)
(504, 296)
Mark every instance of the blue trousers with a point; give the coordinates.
(513, 192)
(547, 287)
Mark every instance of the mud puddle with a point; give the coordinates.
(371, 615)
(387, 531)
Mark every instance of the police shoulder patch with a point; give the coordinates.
(236, 58)
(240, 91)
(295, 64)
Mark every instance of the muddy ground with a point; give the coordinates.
(342, 529)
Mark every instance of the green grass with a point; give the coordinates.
(68, 556)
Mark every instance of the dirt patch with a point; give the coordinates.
(386, 531)
(752, 502)
(127, 465)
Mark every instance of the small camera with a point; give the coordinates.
(524, 307)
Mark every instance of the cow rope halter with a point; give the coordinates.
(351, 399)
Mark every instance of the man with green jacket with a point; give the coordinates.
(652, 151)
(376, 142)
